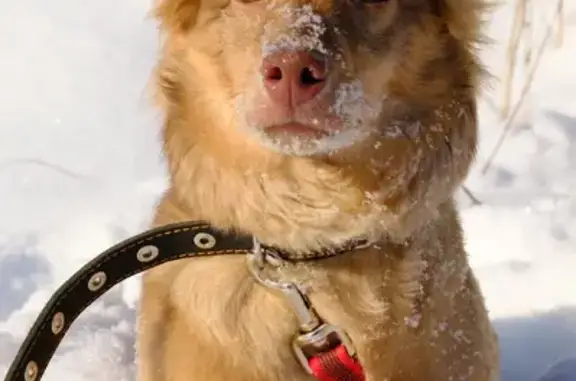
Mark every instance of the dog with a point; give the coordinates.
(308, 124)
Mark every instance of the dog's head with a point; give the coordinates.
(312, 77)
(383, 89)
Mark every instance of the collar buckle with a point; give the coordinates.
(257, 263)
(314, 335)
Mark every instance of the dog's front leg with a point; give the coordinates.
(153, 312)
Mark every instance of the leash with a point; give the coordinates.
(323, 350)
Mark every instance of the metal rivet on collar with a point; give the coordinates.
(147, 253)
(31, 373)
(97, 281)
(204, 240)
(58, 321)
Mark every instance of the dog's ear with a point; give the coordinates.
(176, 15)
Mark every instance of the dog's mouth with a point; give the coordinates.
(307, 139)
(336, 119)
(295, 129)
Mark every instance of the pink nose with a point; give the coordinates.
(293, 78)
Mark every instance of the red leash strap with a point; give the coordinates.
(336, 365)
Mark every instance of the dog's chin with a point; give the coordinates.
(295, 139)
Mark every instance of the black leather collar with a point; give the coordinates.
(129, 257)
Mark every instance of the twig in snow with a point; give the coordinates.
(513, 42)
(42, 163)
(474, 199)
(520, 102)
(560, 33)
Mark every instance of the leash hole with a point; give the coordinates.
(147, 253)
(204, 240)
(31, 371)
(58, 322)
(97, 281)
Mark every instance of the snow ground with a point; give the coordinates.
(73, 71)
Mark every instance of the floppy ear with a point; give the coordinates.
(176, 15)
(175, 18)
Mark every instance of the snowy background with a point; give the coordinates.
(74, 74)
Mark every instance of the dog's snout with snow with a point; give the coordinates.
(303, 101)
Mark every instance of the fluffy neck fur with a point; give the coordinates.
(302, 204)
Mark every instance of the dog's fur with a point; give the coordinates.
(410, 303)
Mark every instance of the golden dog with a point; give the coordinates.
(308, 124)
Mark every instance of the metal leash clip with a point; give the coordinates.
(315, 336)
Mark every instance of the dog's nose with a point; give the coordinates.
(293, 78)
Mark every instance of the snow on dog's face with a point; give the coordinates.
(298, 94)
(311, 77)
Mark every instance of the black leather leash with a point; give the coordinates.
(129, 257)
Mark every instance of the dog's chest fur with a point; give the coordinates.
(220, 308)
